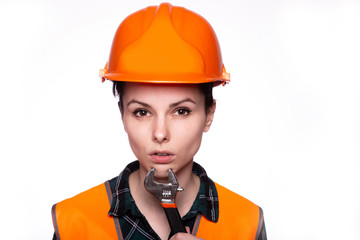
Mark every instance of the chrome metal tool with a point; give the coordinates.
(166, 193)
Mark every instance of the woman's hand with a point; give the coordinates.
(185, 236)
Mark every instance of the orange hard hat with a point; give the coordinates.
(165, 44)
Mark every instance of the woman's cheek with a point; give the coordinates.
(136, 135)
(193, 137)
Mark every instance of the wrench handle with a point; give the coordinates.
(174, 220)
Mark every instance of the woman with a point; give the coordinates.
(164, 62)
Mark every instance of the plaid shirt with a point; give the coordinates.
(134, 225)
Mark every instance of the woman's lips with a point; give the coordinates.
(161, 157)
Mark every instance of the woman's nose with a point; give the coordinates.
(160, 132)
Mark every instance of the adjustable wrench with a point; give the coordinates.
(166, 193)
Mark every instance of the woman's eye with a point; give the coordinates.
(141, 113)
(182, 112)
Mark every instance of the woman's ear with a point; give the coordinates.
(210, 116)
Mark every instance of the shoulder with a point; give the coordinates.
(236, 207)
(73, 215)
(92, 196)
(77, 207)
(85, 197)
(228, 196)
(239, 218)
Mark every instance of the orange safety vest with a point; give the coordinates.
(85, 217)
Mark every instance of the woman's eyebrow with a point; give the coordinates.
(182, 101)
(138, 102)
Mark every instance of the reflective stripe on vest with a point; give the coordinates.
(85, 217)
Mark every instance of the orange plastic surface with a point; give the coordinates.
(168, 205)
(165, 44)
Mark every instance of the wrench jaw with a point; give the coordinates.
(172, 178)
(164, 192)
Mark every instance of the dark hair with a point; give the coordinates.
(118, 90)
(205, 88)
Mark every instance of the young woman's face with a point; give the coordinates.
(164, 124)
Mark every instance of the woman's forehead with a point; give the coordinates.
(166, 91)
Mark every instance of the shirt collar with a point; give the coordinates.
(206, 201)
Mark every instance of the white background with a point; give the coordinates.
(286, 133)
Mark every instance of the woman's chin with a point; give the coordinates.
(161, 174)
